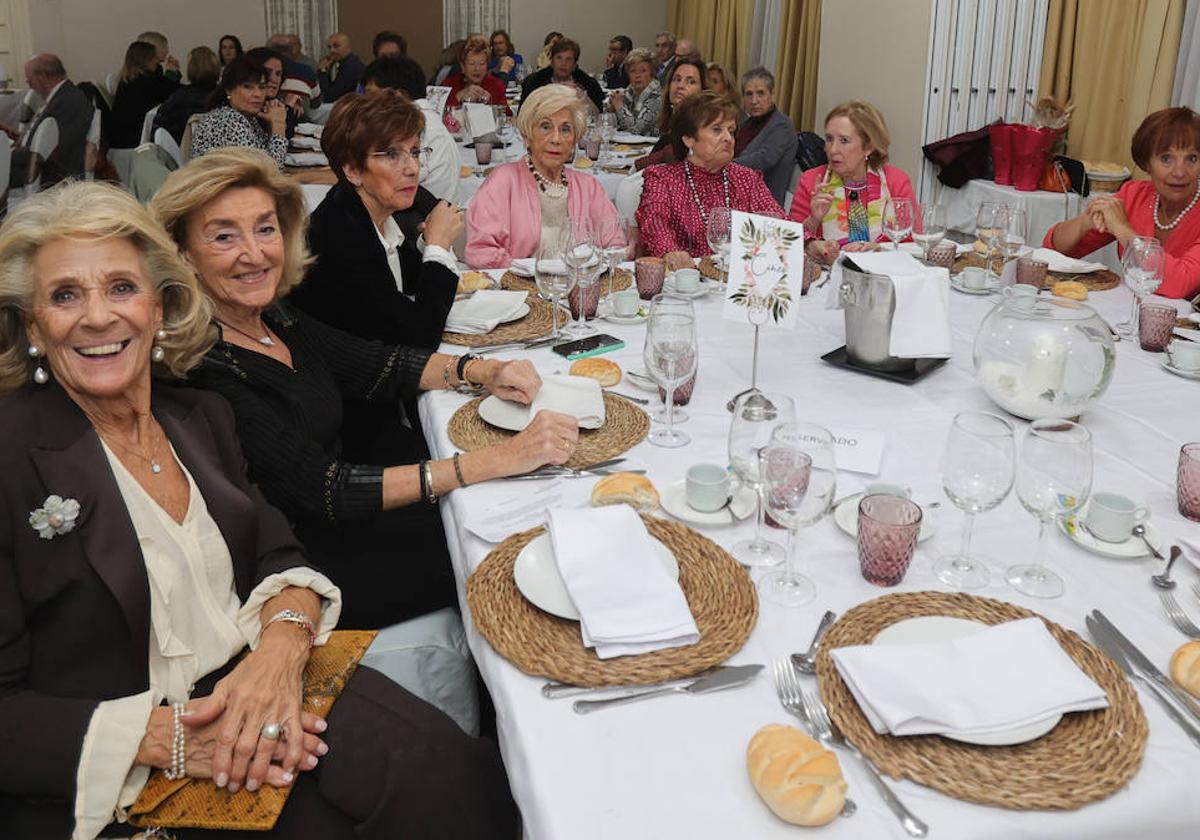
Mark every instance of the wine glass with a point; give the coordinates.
(1013, 231)
(1142, 264)
(800, 474)
(670, 355)
(755, 416)
(933, 228)
(583, 258)
(897, 219)
(977, 475)
(988, 221)
(552, 275)
(607, 123)
(614, 245)
(717, 231)
(1054, 478)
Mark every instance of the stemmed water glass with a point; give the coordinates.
(1013, 231)
(1142, 264)
(553, 277)
(614, 244)
(933, 228)
(800, 474)
(607, 123)
(989, 220)
(717, 230)
(583, 256)
(1054, 478)
(670, 355)
(897, 219)
(977, 475)
(755, 416)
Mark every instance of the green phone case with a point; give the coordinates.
(608, 348)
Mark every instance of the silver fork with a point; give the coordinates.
(1178, 617)
(787, 686)
(824, 730)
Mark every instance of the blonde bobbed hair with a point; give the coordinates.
(547, 101)
(93, 210)
(204, 178)
(871, 127)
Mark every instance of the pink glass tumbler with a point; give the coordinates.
(1188, 481)
(887, 537)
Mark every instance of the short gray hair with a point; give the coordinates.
(758, 73)
(670, 36)
(548, 100)
(639, 54)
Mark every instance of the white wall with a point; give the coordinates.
(878, 52)
(591, 24)
(90, 36)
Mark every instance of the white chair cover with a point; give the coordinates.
(164, 140)
(629, 196)
(91, 152)
(148, 125)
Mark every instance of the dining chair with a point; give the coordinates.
(148, 125)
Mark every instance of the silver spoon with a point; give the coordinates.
(1139, 531)
(806, 663)
(1164, 581)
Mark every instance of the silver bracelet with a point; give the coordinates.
(178, 768)
(427, 483)
(293, 617)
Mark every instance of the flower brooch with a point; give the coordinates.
(56, 516)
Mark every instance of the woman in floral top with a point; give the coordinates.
(246, 118)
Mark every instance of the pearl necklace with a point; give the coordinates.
(265, 340)
(687, 173)
(1179, 218)
(549, 188)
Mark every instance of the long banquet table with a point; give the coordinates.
(674, 766)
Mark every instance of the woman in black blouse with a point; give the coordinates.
(244, 116)
(240, 224)
(141, 88)
(203, 71)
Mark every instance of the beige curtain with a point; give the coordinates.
(799, 49)
(720, 28)
(1115, 59)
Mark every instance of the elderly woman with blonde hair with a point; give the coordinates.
(120, 491)
(528, 202)
(638, 104)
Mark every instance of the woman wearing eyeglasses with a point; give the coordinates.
(529, 201)
(245, 117)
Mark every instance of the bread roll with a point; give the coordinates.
(800, 780)
(1185, 668)
(630, 489)
(602, 370)
(678, 259)
(1070, 289)
(473, 281)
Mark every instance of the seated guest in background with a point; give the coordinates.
(72, 111)
(543, 58)
(1167, 146)
(141, 88)
(440, 163)
(297, 52)
(203, 71)
(339, 69)
(677, 197)
(638, 105)
(528, 202)
(563, 70)
(244, 117)
(615, 74)
(97, 642)
(473, 82)
(688, 77)
(841, 203)
(372, 527)
(389, 44)
(720, 80)
(168, 65)
(298, 92)
(686, 49)
(505, 62)
(664, 51)
(766, 139)
(229, 48)
(449, 62)
(275, 65)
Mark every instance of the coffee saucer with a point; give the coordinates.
(1186, 374)
(626, 320)
(957, 285)
(1131, 549)
(845, 516)
(674, 502)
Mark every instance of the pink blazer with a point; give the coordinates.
(504, 218)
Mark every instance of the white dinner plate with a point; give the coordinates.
(504, 414)
(518, 315)
(938, 628)
(674, 502)
(641, 381)
(1130, 549)
(957, 285)
(537, 576)
(1184, 332)
(1186, 374)
(845, 516)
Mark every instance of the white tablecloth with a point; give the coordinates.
(675, 766)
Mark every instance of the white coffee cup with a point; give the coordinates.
(1111, 516)
(973, 278)
(687, 280)
(1184, 355)
(1020, 290)
(707, 487)
(626, 303)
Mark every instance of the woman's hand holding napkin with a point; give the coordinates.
(578, 396)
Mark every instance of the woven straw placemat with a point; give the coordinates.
(1087, 757)
(1096, 281)
(625, 425)
(718, 590)
(516, 282)
(534, 325)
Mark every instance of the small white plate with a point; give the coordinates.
(1186, 374)
(937, 628)
(537, 576)
(641, 381)
(1130, 549)
(626, 320)
(674, 502)
(845, 516)
(504, 414)
(1189, 334)
(957, 285)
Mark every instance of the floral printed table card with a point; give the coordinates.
(766, 270)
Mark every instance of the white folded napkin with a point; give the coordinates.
(484, 310)
(306, 159)
(523, 267)
(309, 129)
(921, 321)
(578, 396)
(999, 678)
(1064, 264)
(628, 603)
(302, 142)
(630, 137)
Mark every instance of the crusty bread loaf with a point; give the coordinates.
(1185, 668)
(800, 780)
(676, 260)
(625, 488)
(473, 281)
(1070, 289)
(603, 371)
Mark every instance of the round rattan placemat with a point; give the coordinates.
(1087, 757)
(1096, 281)
(623, 280)
(534, 325)
(625, 425)
(718, 590)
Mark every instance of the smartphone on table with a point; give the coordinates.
(593, 345)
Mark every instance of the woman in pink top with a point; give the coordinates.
(841, 203)
(526, 202)
(1166, 145)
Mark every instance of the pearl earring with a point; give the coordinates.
(157, 354)
(39, 373)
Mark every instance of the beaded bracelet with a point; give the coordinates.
(178, 768)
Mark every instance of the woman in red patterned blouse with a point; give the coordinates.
(677, 196)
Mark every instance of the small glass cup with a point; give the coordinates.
(483, 156)
(942, 254)
(1187, 483)
(649, 273)
(1032, 272)
(1156, 325)
(887, 537)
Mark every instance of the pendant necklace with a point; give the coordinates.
(265, 340)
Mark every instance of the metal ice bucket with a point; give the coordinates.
(869, 301)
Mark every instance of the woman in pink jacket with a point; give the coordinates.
(531, 200)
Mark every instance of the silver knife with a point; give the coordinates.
(731, 677)
(583, 473)
(555, 690)
(1142, 662)
(1109, 645)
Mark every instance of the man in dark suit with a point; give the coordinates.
(69, 106)
(664, 51)
(564, 70)
(615, 76)
(340, 68)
